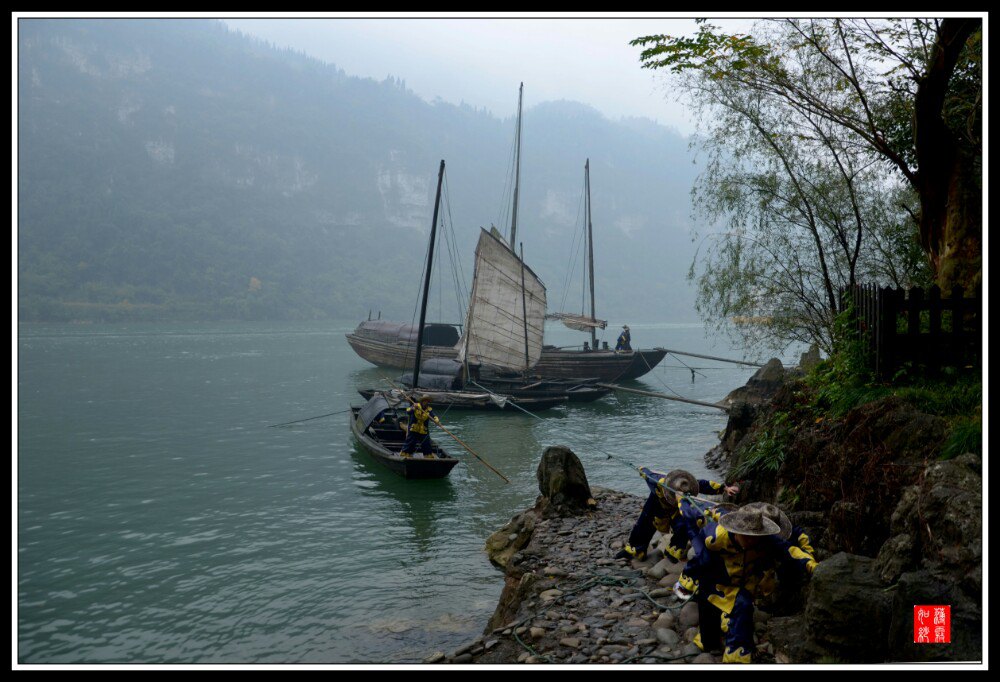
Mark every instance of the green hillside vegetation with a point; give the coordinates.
(173, 169)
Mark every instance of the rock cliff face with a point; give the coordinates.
(893, 527)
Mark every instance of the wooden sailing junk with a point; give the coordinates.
(393, 344)
(592, 361)
(447, 389)
(504, 329)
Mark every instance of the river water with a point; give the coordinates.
(161, 520)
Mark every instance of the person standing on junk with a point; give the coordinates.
(417, 416)
(624, 339)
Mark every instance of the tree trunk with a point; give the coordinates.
(950, 225)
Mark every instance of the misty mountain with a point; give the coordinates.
(173, 169)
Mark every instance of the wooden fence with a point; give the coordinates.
(917, 327)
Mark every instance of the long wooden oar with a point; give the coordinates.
(457, 439)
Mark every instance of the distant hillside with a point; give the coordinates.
(172, 169)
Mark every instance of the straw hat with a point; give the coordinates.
(772, 512)
(682, 481)
(752, 522)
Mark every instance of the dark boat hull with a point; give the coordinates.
(576, 391)
(399, 355)
(384, 447)
(643, 362)
(606, 365)
(603, 365)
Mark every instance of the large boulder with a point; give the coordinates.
(898, 555)
(848, 612)
(810, 358)
(503, 544)
(950, 506)
(563, 484)
(761, 387)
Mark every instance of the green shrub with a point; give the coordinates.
(966, 436)
(767, 452)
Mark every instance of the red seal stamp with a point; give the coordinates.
(931, 624)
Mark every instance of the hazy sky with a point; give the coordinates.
(482, 61)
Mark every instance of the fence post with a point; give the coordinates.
(960, 336)
(883, 358)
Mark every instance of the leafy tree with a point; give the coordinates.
(799, 119)
(907, 92)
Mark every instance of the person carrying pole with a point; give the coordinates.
(417, 434)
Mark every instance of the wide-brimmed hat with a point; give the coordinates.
(426, 398)
(624, 326)
(745, 521)
(682, 481)
(775, 514)
(725, 508)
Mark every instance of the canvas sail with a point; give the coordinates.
(581, 323)
(495, 326)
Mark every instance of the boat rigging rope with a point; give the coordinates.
(451, 241)
(574, 250)
(508, 190)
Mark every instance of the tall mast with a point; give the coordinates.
(590, 239)
(427, 277)
(524, 313)
(517, 168)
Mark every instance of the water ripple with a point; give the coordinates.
(161, 521)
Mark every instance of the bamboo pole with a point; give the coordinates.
(710, 357)
(652, 394)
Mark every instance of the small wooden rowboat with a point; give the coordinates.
(376, 427)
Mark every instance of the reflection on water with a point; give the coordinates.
(421, 504)
(161, 520)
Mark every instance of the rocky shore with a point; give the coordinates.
(892, 527)
(566, 598)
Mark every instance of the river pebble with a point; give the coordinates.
(584, 605)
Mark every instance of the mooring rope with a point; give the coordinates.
(650, 370)
(609, 455)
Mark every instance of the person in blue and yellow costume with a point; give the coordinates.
(417, 435)
(661, 511)
(797, 553)
(624, 339)
(735, 567)
(791, 540)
